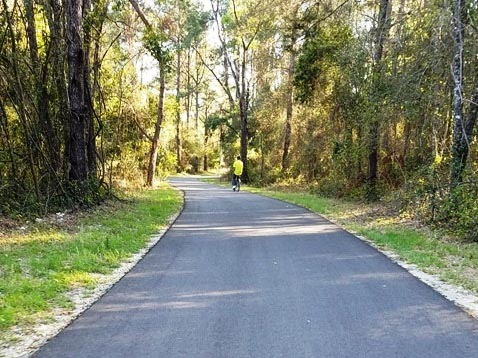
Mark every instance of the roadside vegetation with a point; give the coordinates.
(44, 260)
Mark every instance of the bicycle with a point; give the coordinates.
(236, 183)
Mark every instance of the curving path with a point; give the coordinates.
(240, 275)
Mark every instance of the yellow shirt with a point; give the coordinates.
(238, 166)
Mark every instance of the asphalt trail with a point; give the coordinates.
(240, 275)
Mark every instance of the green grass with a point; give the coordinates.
(453, 260)
(39, 267)
(312, 202)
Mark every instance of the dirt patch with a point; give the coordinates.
(7, 226)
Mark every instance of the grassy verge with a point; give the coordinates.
(38, 267)
(454, 261)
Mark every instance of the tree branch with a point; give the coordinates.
(140, 13)
(224, 86)
(140, 127)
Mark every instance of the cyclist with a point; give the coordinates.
(238, 167)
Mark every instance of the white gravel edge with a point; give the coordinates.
(27, 343)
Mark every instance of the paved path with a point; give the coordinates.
(239, 275)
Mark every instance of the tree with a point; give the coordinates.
(291, 38)
(381, 34)
(463, 127)
(238, 28)
(156, 43)
(81, 151)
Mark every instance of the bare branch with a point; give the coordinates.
(140, 127)
(140, 13)
(224, 86)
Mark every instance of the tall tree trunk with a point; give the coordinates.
(96, 96)
(243, 107)
(153, 152)
(458, 120)
(77, 154)
(178, 110)
(88, 107)
(462, 128)
(206, 140)
(188, 87)
(196, 112)
(374, 129)
(197, 80)
(289, 108)
(391, 146)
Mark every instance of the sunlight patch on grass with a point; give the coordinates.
(37, 236)
(77, 279)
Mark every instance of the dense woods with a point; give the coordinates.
(367, 99)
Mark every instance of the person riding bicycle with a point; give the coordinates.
(238, 167)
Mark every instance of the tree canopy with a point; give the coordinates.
(346, 97)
